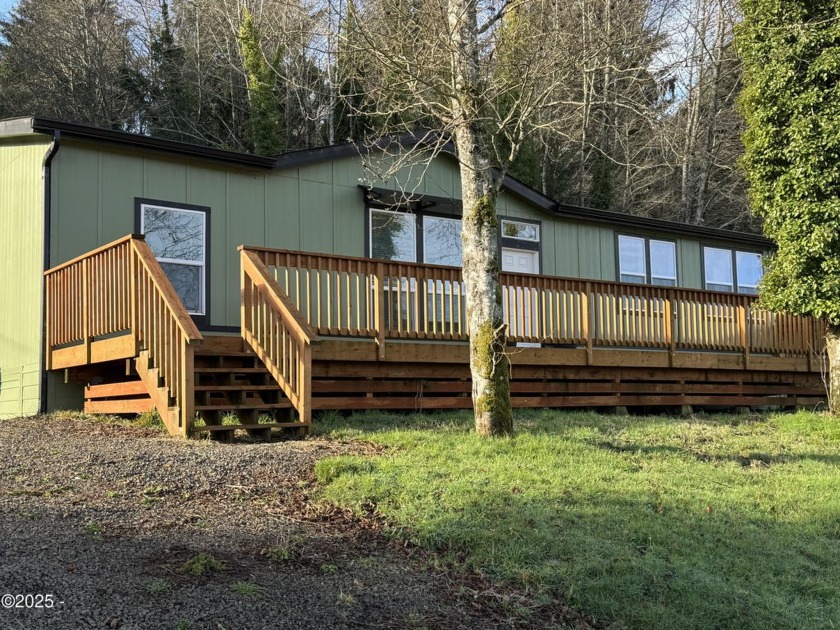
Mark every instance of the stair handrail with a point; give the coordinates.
(277, 332)
(173, 303)
(163, 328)
(121, 288)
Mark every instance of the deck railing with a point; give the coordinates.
(276, 331)
(346, 296)
(119, 292)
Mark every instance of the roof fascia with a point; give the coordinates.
(132, 140)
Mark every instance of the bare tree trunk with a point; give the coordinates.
(832, 342)
(489, 364)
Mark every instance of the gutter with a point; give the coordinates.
(48, 158)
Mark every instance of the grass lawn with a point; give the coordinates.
(647, 522)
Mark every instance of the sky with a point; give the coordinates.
(5, 5)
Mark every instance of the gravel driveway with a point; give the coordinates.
(132, 530)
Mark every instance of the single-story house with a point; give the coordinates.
(270, 286)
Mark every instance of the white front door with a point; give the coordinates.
(520, 304)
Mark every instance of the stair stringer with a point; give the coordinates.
(159, 395)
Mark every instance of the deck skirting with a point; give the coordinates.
(418, 376)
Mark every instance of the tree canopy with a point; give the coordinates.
(791, 101)
(647, 99)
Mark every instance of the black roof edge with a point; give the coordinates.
(594, 215)
(648, 223)
(146, 142)
(305, 157)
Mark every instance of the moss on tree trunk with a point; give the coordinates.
(489, 362)
(832, 342)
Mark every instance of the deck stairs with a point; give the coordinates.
(233, 391)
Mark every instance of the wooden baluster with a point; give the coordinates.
(349, 302)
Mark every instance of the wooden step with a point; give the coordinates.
(255, 407)
(120, 406)
(202, 352)
(116, 390)
(231, 370)
(244, 387)
(233, 427)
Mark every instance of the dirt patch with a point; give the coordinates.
(129, 529)
(108, 518)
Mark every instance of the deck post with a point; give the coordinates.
(187, 388)
(86, 309)
(133, 297)
(48, 323)
(586, 322)
(379, 308)
(243, 289)
(670, 336)
(305, 385)
(743, 333)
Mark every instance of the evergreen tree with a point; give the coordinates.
(263, 124)
(791, 53)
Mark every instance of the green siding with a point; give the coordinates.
(689, 264)
(316, 208)
(21, 256)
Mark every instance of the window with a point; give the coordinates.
(520, 230)
(717, 265)
(442, 241)
(727, 270)
(631, 259)
(749, 271)
(422, 236)
(178, 238)
(393, 236)
(634, 254)
(663, 263)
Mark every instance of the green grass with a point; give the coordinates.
(158, 587)
(649, 522)
(202, 564)
(147, 420)
(247, 589)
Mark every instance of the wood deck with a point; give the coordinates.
(329, 332)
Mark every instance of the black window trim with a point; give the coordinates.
(420, 212)
(201, 321)
(647, 239)
(733, 257)
(520, 244)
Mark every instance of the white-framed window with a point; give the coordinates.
(732, 270)
(441, 241)
(717, 267)
(178, 239)
(663, 263)
(632, 265)
(748, 270)
(521, 230)
(393, 235)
